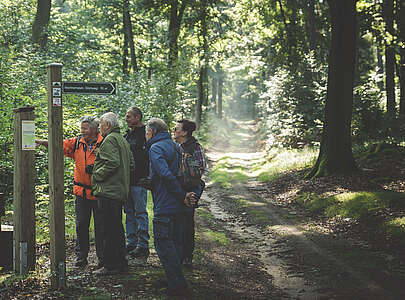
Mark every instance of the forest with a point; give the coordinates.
(320, 82)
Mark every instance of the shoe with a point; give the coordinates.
(188, 262)
(130, 248)
(138, 261)
(105, 272)
(81, 262)
(140, 253)
(100, 264)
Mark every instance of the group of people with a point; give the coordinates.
(110, 173)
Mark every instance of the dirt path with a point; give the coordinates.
(298, 262)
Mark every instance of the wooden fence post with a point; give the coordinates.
(56, 180)
(24, 192)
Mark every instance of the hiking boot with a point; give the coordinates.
(140, 253)
(105, 272)
(188, 262)
(100, 263)
(138, 261)
(81, 262)
(130, 248)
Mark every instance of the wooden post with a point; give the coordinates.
(56, 168)
(24, 192)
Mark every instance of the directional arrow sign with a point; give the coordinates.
(101, 88)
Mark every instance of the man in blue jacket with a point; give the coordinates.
(170, 203)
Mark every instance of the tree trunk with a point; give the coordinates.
(200, 98)
(125, 49)
(214, 84)
(176, 16)
(203, 78)
(380, 69)
(41, 21)
(129, 33)
(220, 86)
(401, 25)
(335, 155)
(311, 24)
(390, 60)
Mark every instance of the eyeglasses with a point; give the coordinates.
(175, 129)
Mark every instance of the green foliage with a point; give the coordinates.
(292, 106)
(356, 205)
(280, 161)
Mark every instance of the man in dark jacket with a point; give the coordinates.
(110, 178)
(136, 221)
(170, 203)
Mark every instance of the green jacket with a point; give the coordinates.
(112, 167)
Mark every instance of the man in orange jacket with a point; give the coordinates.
(83, 149)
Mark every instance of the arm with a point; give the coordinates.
(42, 143)
(161, 168)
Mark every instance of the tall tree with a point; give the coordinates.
(39, 27)
(335, 155)
(176, 16)
(401, 24)
(390, 59)
(203, 78)
(220, 88)
(128, 34)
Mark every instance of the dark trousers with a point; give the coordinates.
(114, 239)
(83, 209)
(168, 233)
(189, 234)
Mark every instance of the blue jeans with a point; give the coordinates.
(169, 234)
(137, 222)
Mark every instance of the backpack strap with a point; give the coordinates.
(76, 146)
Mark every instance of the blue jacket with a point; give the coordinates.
(168, 195)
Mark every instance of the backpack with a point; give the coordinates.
(191, 167)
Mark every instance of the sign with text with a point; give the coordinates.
(100, 88)
(28, 135)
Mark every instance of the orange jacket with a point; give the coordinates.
(82, 158)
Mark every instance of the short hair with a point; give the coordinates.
(157, 125)
(187, 126)
(92, 121)
(110, 118)
(135, 111)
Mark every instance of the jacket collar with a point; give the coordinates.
(159, 137)
(114, 129)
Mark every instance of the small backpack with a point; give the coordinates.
(191, 168)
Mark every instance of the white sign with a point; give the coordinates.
(57, 101)
(28, 135)
(56, 92)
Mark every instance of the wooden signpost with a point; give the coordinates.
(56, 179)
(24, 193)
(56, 88)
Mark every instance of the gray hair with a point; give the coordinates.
(110, 118)
(135, 111)
(157, 125)
(92, 121)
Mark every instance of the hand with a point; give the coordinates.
(190, 200)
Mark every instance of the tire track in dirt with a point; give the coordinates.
(270, 245)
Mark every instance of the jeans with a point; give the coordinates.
(137, 222)
(83, 209)
(189, 234)
(114, 238)
(169, 233)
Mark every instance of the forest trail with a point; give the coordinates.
(296, 262)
